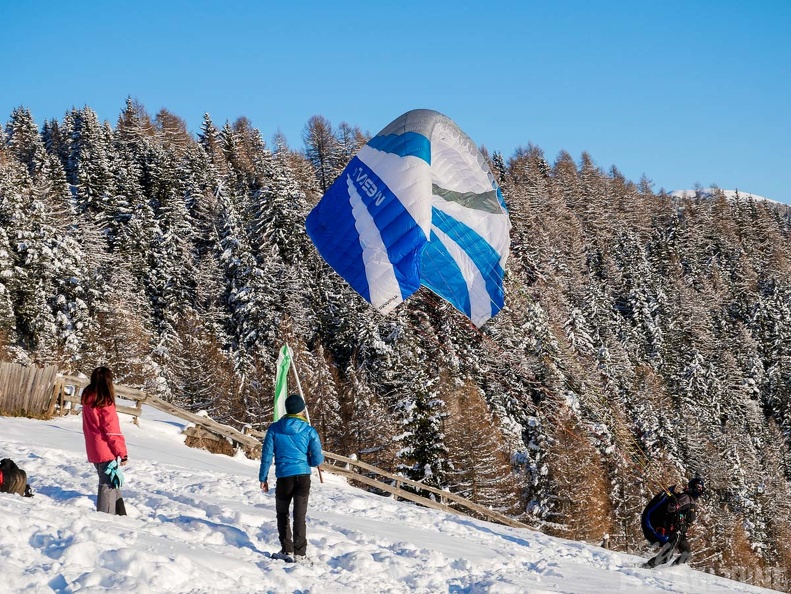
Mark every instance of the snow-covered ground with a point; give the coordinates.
(198, 522)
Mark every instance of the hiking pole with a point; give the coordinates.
(307, 414)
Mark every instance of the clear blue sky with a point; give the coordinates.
(685, 92)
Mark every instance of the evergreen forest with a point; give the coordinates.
(646, 338)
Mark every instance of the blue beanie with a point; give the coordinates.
(294, 404)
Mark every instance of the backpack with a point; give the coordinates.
(13, 479)
(657, 523)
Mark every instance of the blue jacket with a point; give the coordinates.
(295, 446)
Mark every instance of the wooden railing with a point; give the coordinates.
(63, 395)
(393, 483)
(348, 468)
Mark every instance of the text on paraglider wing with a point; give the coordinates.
(368, 186)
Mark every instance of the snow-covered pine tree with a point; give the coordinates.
(31, 238)
(350, 141)
(245, 291)
(479, 468)
(209, 139)
(320, 381)
(282, 247)
(415, 384)
(200, 373)
(371, 425)
(88, 166)
(123, 337)
(172, 132)
(323, 150)
(8, 336)
(24, 141)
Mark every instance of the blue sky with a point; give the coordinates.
(685, 92)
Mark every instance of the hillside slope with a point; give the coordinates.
(198, 523)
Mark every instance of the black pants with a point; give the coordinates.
(678, 543)
(296, 488)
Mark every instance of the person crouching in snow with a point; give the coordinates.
(296, 447)
(104, 442)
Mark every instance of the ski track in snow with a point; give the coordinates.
(198, 522)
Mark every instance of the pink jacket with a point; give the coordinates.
(103, 438)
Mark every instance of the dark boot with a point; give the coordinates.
(663, 556)
(649, 564)
(120, 508)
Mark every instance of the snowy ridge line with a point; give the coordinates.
(730, 195)
(251, 438)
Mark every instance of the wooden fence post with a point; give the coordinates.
(139, 409)
(56, 395)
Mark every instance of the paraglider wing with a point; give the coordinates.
(417, 206)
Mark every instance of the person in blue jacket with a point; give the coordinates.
(296, 447)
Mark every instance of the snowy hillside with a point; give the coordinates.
(199, 523)
(729, 194)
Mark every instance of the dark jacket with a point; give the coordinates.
(295, 446)
(668, 514)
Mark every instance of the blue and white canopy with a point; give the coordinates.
(416, 206)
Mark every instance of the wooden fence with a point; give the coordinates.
(26, 391)
(425, 495)
(64, 395)
(67, 394)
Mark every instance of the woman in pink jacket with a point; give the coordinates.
(103, 439)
